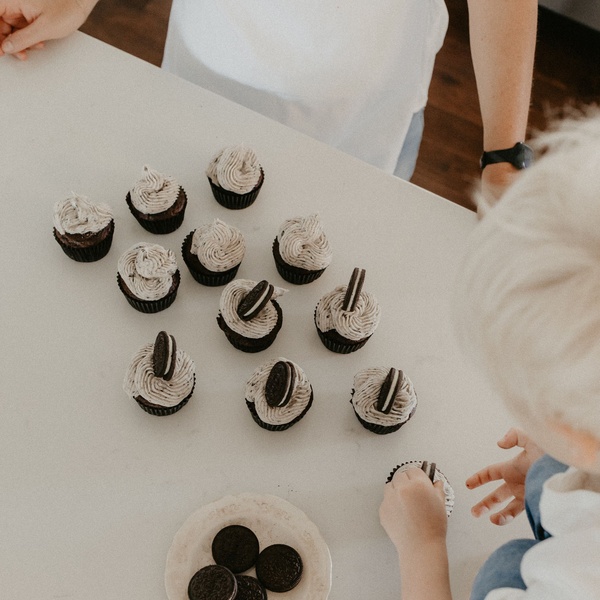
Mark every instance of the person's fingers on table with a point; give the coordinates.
(486, 475)
(513, 437)
(499, 495)
(508, 513)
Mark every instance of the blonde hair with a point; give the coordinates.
(527, 300)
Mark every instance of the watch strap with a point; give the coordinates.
(519, 156)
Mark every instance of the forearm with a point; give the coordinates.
(425, 574)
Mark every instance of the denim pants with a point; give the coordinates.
(407, 161)
(503, 567)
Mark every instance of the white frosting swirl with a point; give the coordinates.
(77, 215)
(255, 328)
(353, 325)
(218, 246)
(141, 381)
(278, 415)
(303, 244)
(154, 192)
(367, 385)
(235, 168)
(147, 270)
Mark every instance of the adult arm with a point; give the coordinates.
(503, 38)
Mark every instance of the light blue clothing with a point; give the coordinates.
(407, 161)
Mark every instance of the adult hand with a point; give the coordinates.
(26, 24)
(512, 473)
(495, 179)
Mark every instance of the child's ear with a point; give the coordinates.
(583, 446)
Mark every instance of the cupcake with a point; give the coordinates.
(249, 315)
(383, 399)
(212, 582)
(347, 317)
(279, 568)
(235, 176)
(160, 377)
(301, 250)
(213, 253)
(83, 230)
(434, 474)
(157, 201)
(235, 547)
(278, 394)
(148, 277)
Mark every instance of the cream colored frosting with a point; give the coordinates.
(255, 392)
(353, 325)
(303, 244)
(235, 168)
(367, 385)
(154, 192)
(141, 381)
(147, 270)
(77, 215)
(218, 246)
(255, 328)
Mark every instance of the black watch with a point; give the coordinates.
(519, 156)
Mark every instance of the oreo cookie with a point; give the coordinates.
(255, 300)
(279, 568)
(249, 588)
(389, 389)
(235, 547)
(164, 356)
(429, 469)
(354, 289)
(213, 582)
(280, 384)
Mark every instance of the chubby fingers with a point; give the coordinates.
(498, 496)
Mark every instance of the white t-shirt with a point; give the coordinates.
(567, 565)
(350, 73)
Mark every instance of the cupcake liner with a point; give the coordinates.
(199, 272)
(381, 429)
(283, 426)
(235, 201)
(91, 253)
(150, 306)
(163, 411)
(291, 274)
(157, 223)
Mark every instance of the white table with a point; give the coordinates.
(93, 489)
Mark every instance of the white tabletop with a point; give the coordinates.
(93, 489)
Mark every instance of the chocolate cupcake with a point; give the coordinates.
(212, 582)
(383, 399)
(347, 317)
(157, 201)
(301, 250)
(278, 394)
(213, 253)
(279, 568)
(148, 277)
(235, 547)
(235, 176)
(433, 473)
(249, 588)
(249, 315)
(83, 230)
(160, 377)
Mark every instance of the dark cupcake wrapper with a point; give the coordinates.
(151, 306)
(156, 223)
(380, 429)
(235, 201)
(292, 274)
(206, 277)
(283, 426)
(163, 411)
(91, 253)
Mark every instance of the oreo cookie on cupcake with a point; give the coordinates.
(279, 568)
(383, 399)
(278, 394)
(434, 474)
(249, 314)
(213, 582)
(148, 277)
(157, 201)
(235, 176)
(213, 253)
(160, 377)
(348, 316)
(82, 229)
(301, 249)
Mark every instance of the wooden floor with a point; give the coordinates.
(567, 71)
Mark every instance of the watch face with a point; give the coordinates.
(523, 157)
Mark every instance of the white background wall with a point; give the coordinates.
(584, 11)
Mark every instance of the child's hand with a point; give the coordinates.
(413, 511)
(512, 473)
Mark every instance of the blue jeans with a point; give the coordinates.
(407, 161)
(503, 567)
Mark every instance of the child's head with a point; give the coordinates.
(528, 294)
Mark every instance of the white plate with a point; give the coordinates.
(273, 520)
